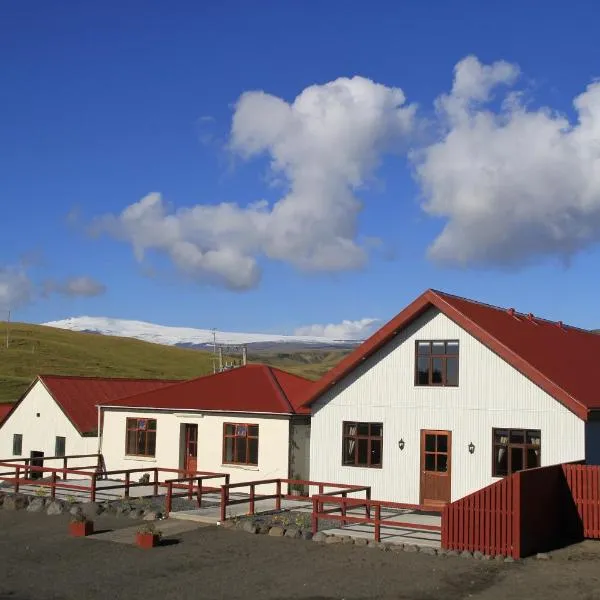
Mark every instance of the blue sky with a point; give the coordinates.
(476, 178)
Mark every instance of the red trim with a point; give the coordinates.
(428, 299)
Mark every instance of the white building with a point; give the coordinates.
(58, 416)
(452, 394)
(245, 422)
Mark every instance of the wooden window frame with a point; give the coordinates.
(137, 429)
(356, 437)
(18, 436)
(235, 437)
(525, 446)
(56, 452)
(444, 357)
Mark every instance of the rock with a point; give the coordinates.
(319, 537)
(333, 539)
(151, 515)
(55, 508)
(487, 557)
(250, 527)
(542, 556)
(307, 535)
(373, 544)
(75, 510)
(36, 505)
(227, 524)
(277, 531)
(346, 539)
(293, 533)
(394, 547)
(14, 502)
(442, 552)
(411, 548)
(466, 554)
(263, 529)
(136, 513)
(90, 509)
(361, 541)
(509, 559)
(428, 550)
(240, 524)
(477, 555)
(499, 558)
(452, 553)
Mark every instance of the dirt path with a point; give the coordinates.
(38, 561)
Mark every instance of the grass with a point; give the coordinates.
(35, 349)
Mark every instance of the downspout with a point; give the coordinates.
(99, 429)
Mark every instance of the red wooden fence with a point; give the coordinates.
(486, 520)
(584, 485)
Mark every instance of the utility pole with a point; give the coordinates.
(214, 359)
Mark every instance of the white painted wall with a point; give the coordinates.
(273, 454)
(39, 433)
(490, 394)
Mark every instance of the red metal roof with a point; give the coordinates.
(249, 389)
(79, 396)
(560, 359)
(5, 408)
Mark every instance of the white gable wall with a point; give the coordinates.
(490, 394)
(39, 433)
(273, 443)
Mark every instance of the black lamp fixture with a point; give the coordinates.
(401, 444)
(471, 448)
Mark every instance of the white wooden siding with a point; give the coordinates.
(273, 449)
(490, 394)
(39, 433)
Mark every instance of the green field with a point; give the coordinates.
(35, 349)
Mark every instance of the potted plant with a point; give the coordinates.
(147, 536)
(80, 526)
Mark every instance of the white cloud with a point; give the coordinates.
(325, 145)
(513, 183)
(16, 289)
(75, 286)
(346, 330)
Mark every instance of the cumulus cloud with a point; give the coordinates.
(75, 286)
(346, 330)
(513, 183)
(16, 288)
(324, 145)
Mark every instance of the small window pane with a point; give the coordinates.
(422, 371)
(452, 371)
(229, 442)
(375, 452)
(516, 459)
(363, 429)
(152, 424)
(438, 348)
(501, 461)
(349, 450)
(437, 365)
(59, 446)
(229, 429)
(151, 443)
(430, 442)
(442, 463)
(240, 449)
(533, 458)
(501, 436)
(533, 438)
(253, 430)
(363, 451)
(253, 451)
(430, 462)
(376, 430)
(423, 348)
(17, 444)
(517, 436)
(442, 443)
(451, 347)
(350, 428)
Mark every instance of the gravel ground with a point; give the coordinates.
(38, 561)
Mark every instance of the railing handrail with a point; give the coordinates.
(49, 469)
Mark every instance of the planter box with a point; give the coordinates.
(147, 540)
(81, 528)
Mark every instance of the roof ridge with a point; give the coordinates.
(275, 382)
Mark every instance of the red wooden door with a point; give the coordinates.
(190, 452)
(436, 462)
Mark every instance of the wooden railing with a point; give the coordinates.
(373, 514)
(192, 485)
(253, 497)
(98, 462)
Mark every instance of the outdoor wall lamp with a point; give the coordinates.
(401, 444)
(471, 448)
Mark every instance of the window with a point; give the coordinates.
(17, 444)
(59, 446)
(141, 437)
(362, 444)
(436, 452)
(436, 363)
(515, 450)
(240, 444)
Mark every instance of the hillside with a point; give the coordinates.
(37, 349)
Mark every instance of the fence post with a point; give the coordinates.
(65, 463)
(314, 516)
(223, 502)
(155, 481)
(368, 495)
(343, 507)
(278, 499)
(377, 522)
(190, 489)
(321, 489)
(199, 493)
(127, 482)
(53, 489)
(93, 490)
(169, 499)
(251, 499)
(17, 477)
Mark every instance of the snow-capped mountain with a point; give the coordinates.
(187, 336)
